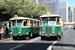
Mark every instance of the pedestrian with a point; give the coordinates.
(6, 32)
(1, 32)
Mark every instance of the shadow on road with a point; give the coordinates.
(31, 46)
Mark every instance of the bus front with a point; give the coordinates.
(48, 27)
(16, 28)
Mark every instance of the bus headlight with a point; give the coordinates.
(42, 32)
(19, 32)
(53, 32)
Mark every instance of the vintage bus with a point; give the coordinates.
(23, 27)
(51, 25)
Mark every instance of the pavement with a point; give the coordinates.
(67, 42)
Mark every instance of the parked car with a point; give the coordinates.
(66, 27)
(73, 27)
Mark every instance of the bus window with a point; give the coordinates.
(13, 22)
(34, 23)
(31, 23)
(38, 23)
(52, 21)
(57, 20)
(25, 23)
(45, 21)
(19, 22)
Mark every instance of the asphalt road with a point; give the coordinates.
(67, 42)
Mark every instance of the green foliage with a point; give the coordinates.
(63, 23)
(27, 8)
(53, 13)
(39, 10)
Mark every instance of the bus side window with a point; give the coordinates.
(34, 23)
(38, 23)
(57, 20)
(31, 23)
(25, 23)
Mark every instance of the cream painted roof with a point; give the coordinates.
(69, 22)
(50, 15)
(19, 18)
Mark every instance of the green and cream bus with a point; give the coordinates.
(51, 25)
(23, 27)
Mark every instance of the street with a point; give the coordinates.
(67, 42)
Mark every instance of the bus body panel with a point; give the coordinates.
(58, 30)
(15, 30)
(24, 30)
(48, 30)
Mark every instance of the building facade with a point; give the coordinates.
(63, 11)
(74, 14)
(52, 5)
(70, 13)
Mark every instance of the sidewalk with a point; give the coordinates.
(2, 36)
(3, 40)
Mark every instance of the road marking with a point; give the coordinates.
(17, 47)
(65, 32)
(51, 46)
(24, 44)
(34, 39)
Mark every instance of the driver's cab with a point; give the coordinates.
(20, 21)
(53, 20)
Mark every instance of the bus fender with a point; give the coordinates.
(27, 33)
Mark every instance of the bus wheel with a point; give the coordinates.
(42, 38)
(28, 37)
(14, 38)
(58, 38)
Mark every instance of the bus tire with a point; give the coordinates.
(14, 38)
(42, 38)
(58, 38)
(29, 36)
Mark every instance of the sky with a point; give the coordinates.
(70, 2)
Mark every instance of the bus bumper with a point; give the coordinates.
(49, 35)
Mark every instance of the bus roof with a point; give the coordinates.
(20, 18)
(50, 15)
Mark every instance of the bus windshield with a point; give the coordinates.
(19, 22)
(51, 21)
(45, 21)
(13, 22)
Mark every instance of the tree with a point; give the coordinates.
(39, 10)
(53, 13)
(9, 7)
(63, 23)
(27, 8)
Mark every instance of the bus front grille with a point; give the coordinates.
(15, 30)
(48, 30)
